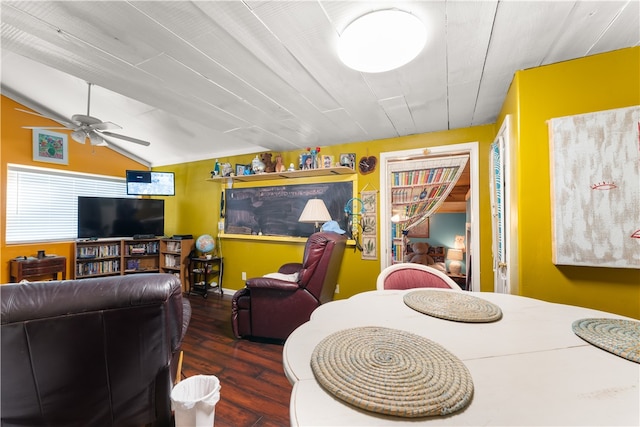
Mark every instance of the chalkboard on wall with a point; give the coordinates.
(274, 210)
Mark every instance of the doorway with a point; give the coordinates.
(473, 210)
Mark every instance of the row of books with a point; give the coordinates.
(146, 248)
(397, 252)
(413, 210)
(102, 251)
(424, 176)
(98, 267)
(173, 246)
(171, 260)
(416, 194)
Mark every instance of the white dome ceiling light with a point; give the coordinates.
(381, 41)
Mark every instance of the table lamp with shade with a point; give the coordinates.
(315, 212)
(455, 256)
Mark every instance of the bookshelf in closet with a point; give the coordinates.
(417, 190)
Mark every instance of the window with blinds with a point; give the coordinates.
(42, 204)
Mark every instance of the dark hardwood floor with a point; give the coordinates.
(254, 390)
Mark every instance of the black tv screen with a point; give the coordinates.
(101, 217)
(148, 183)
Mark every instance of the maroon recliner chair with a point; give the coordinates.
(272, 308)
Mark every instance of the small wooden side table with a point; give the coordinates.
(460, 279)
(37, 268)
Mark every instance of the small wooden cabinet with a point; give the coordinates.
(38, 268)
(174, 258)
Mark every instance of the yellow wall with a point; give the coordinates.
(16, 147)
(197, 211)
(600, 82)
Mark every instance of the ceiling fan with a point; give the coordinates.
(86, 126)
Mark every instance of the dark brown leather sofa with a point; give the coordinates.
(272, 308)
(91, 352)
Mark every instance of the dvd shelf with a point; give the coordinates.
(174, 258)
(95, 258)
(114, 257)
(142, 256)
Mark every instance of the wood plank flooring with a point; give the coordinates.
(254, 390)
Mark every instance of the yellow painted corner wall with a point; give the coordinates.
(197, 211)
(16, 147)
(600, 82)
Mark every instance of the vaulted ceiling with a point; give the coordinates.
(210, 79)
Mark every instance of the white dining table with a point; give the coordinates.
(529, 368)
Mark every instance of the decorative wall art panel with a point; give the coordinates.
(369, 225)
(595, 188)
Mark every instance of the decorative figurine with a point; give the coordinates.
(279, 165)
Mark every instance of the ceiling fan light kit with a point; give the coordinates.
(381, 41)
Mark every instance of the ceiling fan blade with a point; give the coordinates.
(105, 126)
(44, 127)
(69, 125)
(127, 138)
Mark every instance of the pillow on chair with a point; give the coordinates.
(293, 277)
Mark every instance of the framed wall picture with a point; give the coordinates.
(240, 169)
(326, 161)
(307, 162)
(51, 147)
(348, 160)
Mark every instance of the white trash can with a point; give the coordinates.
(194, 401)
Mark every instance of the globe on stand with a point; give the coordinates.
(205, 244)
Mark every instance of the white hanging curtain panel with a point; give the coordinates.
(431, 178)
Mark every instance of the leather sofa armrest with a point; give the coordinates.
(290, 268)
(270, 283)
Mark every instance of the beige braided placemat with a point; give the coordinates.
(617, 336)
(452, 305)
(391, 372)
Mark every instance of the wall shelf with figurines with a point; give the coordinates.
(263, 168)
(305, 173)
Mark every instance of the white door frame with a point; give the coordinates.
(505, 264)
(471, 148)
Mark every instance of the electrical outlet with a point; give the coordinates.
(221, 225)
(244, 275)
(337, 289)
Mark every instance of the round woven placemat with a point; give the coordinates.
(451, 305)
(617, 336)
(391, 372)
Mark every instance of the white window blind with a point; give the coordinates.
(42, 204)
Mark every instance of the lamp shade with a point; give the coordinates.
(315, 212)
(454, 254)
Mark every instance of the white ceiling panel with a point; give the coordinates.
(208, 79)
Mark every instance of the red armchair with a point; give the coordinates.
(408, 275)
(272, 308)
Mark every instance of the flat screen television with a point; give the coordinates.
(149, 183)
(102, 217)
